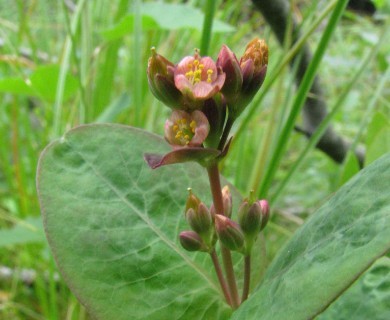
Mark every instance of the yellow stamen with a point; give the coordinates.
(179, 134)
(175, 127)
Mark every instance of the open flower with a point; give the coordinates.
(253, 64)
(185, 129)
(198, 78)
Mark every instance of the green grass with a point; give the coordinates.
(108, 83)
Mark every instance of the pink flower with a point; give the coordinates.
(198, 78)
(185, 129)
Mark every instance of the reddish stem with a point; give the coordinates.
(215, 185)
(221, 279)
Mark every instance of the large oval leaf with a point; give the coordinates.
(112, 224)
(368, 298)
(336, 245)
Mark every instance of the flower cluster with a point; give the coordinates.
(207, 226)
(203, 94)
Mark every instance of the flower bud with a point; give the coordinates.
(192, 201)
(227, 201)
(228, 62)
(229, 232)
(161, 80)
(249, 218)
(200, 220)
(191, 241)
(212, 210)
(264, 213)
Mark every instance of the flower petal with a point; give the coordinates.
(182, 66)
(208, 64)
(202, 129)
(185, 154)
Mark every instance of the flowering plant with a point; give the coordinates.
(207, 97)
(114, 231)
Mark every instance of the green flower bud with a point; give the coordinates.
(192, 201)
(229, 233)
(249, 218)
(191, 241)
(200, 220)
(161, 80)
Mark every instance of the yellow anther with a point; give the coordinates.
(189, 74)
(184, 121)
(175, 127)
(196, 62)
(210, 71)
(193, 124)
(187, 137)
(201, 66)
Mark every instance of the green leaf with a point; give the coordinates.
(377, 123)
(329, 252)
(41, 84)
(165, 16)
(368, 298)
(119, 105)
(45, 79)
(349, 168)
(26, 231)
(126, 26)
(172, 16)
(113, 226)
(16, 86)
(379, 146)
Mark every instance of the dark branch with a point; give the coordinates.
(276, 13)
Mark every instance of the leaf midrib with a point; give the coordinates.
(152, 226)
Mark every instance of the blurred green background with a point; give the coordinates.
(66, 63)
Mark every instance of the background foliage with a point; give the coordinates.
(63, 64)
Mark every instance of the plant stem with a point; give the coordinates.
(231, 279)
(247, 278)
(221, 279)
(215, 186)
(207, 26)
